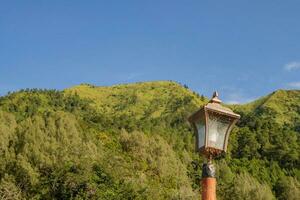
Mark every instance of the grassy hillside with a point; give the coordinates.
(133, 142)
(150, 99)
(283, 105)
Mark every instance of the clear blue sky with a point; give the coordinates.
(243, 49)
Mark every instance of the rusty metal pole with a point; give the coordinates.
(208, 182)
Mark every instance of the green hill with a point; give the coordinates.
(133, 142)
(282, 105)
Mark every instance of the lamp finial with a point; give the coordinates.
(215, 94)
(215, 98)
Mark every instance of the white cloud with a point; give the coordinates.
(233, 102)
(237, 98)
(292, 65)
(235, 95)
(129, 76)
(294, 84)
(133, 76)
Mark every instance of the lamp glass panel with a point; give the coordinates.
(217, 127)
(201, 133)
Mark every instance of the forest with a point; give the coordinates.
(133, 141)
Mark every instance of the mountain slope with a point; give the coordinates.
(142, 105)
(133, 142)
(282, 105)
(138, 99)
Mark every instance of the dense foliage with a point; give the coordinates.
(133, 142)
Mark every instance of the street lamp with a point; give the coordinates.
(212, 125)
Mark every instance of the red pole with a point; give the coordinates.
(208, 182)
(209, 188)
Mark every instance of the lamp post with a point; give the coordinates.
(212, 125)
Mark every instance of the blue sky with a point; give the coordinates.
(243, 49)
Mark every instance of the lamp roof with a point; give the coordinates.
(214, 105)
